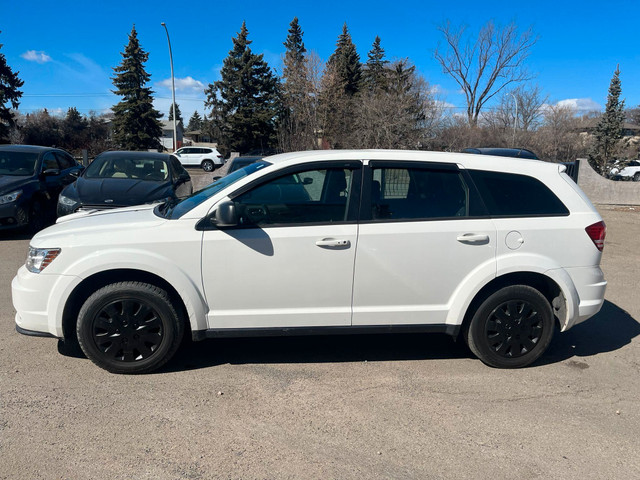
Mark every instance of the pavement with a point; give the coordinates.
(380, 406)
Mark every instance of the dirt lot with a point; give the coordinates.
(406, 406)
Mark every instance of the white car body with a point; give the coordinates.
(413, 275)
(205, 157)
(632, 170)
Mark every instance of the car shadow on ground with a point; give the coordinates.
(317, 349)
(15, 234)
(611, 329)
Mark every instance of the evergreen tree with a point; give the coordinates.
(74, 129)
(298, 129)
(195, 122)
(244, 102)
(341, 82)
(136, 123)
(346, 63)
(9, 93)
(375, 72)
(178, 114)
(608, 131)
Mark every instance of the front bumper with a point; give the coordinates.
(39, 299)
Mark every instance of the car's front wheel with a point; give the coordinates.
(129, 327)
(512, 327)
(208, 166)
(636, 177)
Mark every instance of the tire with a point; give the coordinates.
(36, 221)
(208, 166)
(512, 327)
(129, 327)
(636, 177)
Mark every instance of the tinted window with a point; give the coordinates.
(49, 161)
(313, 196)
(509, 194)
(412, 193)
(65, 160)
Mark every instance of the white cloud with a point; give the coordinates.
(580, 104)
(36, 56)
(188, 84)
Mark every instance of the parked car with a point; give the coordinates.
(206, 157)
(503, 152)
(326, 242)
(240, 162)
(630, 172)
(31, 179)
(119, 179)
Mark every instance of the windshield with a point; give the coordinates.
(18, 164)
(175, 208)
(138, 168)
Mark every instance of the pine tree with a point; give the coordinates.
(346, 62)
(195, 122)
(298, 129)
(74, 128)
(9, 93)
(608, 131)
(244, 102)
(375, 73)
(341, 82)
(178, 114)
(136, 123)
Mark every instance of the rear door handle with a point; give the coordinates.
(473, 238)
(333, 243)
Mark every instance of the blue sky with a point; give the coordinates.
(65, 50)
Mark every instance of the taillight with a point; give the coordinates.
(596, 233)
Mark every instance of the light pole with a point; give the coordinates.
(173, 92)
(515, 123)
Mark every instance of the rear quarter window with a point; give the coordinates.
(514, 195)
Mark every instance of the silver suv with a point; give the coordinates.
(206, 157)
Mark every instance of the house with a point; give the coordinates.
(167, 134)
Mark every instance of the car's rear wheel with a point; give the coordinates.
(208, 166)
(129, 327)
(512, 327)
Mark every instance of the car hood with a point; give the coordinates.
(117, 191)
(9, 183)
(70, 229)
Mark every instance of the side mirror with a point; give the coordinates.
(307, 181)
(226, 215)
(217, 177)
(75, 173)
(51, 172)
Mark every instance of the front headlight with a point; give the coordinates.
(39, 258)
(10, 197)
(66, 201)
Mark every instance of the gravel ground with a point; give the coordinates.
(403, 406)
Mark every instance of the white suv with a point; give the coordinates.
(206, 157)
(498, 251)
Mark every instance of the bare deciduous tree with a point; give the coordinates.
(483, 68)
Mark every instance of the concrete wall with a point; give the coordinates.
(604, 191)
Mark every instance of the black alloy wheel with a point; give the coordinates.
(129, 327)
(511, 328)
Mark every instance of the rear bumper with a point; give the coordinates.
(590, 286)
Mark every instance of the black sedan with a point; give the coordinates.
(120, 179)
(31, 179)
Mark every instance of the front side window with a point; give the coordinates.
(309, 197)
(417, 193)
(65, 161)
(49, 162)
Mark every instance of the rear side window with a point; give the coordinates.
(513, 195)
(417, 193)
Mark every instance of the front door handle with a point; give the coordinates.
(473, 238)
(333, 243)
